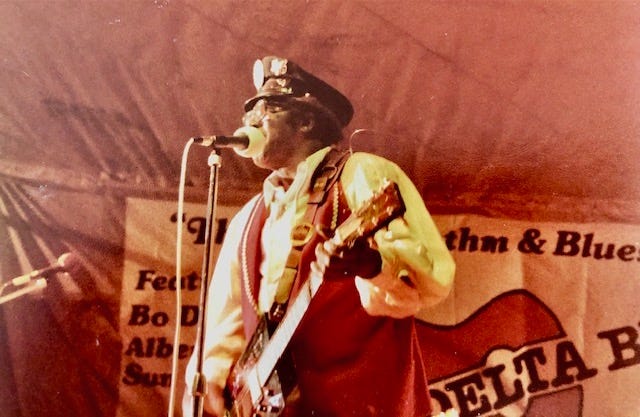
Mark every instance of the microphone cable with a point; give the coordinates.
(176, 337)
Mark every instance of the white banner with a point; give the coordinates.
(543, 319)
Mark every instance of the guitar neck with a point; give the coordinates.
(279, 341)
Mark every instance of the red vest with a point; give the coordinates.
(348, 363)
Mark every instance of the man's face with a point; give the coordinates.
(279, 126)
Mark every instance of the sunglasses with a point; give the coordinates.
(254, 116)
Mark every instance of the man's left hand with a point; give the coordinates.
(360, 260)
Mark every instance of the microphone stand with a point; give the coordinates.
(199, 383)
(23, 290)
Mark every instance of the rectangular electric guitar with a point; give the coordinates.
(261, 379)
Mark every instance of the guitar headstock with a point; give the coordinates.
(384, 206)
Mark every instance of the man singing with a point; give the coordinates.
(355, 351)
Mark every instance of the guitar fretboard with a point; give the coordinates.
(284, 332)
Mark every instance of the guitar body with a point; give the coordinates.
(244, 398)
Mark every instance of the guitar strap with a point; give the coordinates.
(323, 180)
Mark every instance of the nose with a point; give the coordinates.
(250, 118)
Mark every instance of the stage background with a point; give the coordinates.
(510, 117)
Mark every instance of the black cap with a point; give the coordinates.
(279, 77)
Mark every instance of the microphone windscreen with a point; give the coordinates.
(257, 141)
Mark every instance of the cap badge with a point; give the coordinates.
(278, 67)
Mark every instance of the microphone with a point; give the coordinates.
(247, 141)
(223, 141)
(66, 262)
